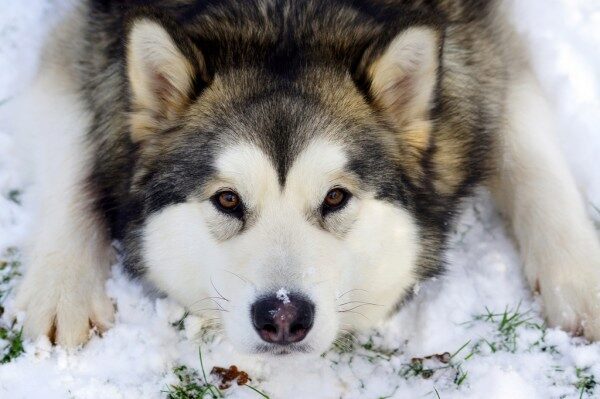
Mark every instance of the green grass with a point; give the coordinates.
(9, 271)
(507, 325)
(429, 366)
(11, 337)
(180, 324)
(195, 385)
(373, 352)
(11, 344)
(586, 383)
(191, 386)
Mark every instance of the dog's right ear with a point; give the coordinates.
(164, 69)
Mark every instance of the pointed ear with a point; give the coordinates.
(403, 79)
(163, 67)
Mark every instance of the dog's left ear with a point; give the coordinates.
(163, 68)
(404, 77)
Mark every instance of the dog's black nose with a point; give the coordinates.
(283, 319)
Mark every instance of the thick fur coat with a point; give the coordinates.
(212, 138)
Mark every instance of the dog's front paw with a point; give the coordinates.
(572, 300)
(64, 307)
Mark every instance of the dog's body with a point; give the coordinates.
(292, 158)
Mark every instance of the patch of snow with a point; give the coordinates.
(283, 295)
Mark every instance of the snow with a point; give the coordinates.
(135, 359)
(283, 295)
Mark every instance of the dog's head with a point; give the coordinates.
(280, 194)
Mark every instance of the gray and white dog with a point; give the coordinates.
(287, 157)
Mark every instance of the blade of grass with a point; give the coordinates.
(258, 392)
(459, 350)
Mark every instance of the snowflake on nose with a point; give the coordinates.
(283, 295)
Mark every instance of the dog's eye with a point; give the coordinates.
(228, 202)
(335, 200)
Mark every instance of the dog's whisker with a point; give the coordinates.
(217, 291)
(361, 302)
(358, 306)
(349, 291)
(208, 310)
(219, 305)
(352, 311)
(213, 298)
(193, 309)
(245, 280)
(349, 333)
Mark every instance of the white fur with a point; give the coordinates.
(68, 258)
(283, 249)
(558, 243)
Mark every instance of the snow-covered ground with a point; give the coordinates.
(481, 313)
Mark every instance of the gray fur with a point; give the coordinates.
(278, 73)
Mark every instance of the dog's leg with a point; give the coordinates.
(67, 263)
(533, 186)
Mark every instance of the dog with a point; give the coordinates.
(287, 161)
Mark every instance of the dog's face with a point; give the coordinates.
(277, 206)
(287, 262)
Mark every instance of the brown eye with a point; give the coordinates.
(334, 197)
(229, 203)
(228, 200)
(335, 200)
